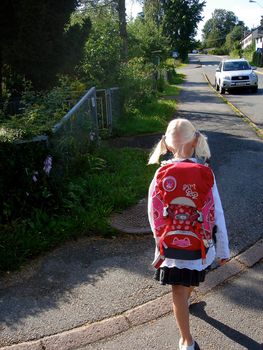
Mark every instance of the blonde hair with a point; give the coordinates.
(179, 133)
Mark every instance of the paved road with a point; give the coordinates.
(230, 318)
(249, 103)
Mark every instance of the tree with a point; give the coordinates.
(180, 23)
(146, 39)
(153, 11)
(235, 36)
(75, 37)
(114, 5)
(121, 8)
(216, 28)
(32, 41)
(102, 54)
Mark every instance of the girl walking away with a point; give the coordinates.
(186, 218)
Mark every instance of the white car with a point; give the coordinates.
(233, 74)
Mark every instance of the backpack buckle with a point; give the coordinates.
(165, 212)
(200, 216)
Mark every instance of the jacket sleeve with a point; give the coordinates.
(150, 204)
(222, 244)
(158, 259)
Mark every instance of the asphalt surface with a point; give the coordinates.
(92, 279)
(230, 318)
(251, 104)
(237, 158)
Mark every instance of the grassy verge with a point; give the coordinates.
(114, 180)
(152, 117)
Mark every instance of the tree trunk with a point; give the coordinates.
(123, 29)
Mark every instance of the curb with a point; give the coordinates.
(237, 111)
(90, 333)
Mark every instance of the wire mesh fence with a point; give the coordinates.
(82, 126)
(79, 130)
(75, 132)
(108, 108)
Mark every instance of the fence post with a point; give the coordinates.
(94, 113)
(109, 109)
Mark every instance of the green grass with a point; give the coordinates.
(152, 117)
(112, 180)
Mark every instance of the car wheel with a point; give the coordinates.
(216, 85)
(254, 89)
(221, 90)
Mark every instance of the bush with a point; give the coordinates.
(100, 65)
(137, 81)
(235, 53)
(248, 52)
(41, 111)
(24, 181)
(219, 51)
(257, 59)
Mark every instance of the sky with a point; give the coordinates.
(249, 13)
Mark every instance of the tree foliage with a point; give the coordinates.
(118, 6)
(33, 42)
(216, 28)
(180, 23)
(233, 38)
(102, 51)
(153, 11)
(146, 39)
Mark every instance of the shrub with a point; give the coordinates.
(100, 65)
(41, 111)
(248, 52)
(235, 53)
(257, 59)
(219, 51)
(24, 182)
(137, 80)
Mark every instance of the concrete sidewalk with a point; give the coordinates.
(230, 317)
(95, 287)
(136, 328)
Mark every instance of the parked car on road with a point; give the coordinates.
(233, 74)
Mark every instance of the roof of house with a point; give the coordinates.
(256, 33)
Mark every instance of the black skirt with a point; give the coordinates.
(175, 276)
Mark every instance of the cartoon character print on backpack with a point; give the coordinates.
(183, 209)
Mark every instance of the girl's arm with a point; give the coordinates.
(222, 245)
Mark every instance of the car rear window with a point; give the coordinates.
(239, 65)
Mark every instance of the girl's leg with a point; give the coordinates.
(181, 312)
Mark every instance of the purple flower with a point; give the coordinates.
(47, 165)
(34, 177)
(92, 136)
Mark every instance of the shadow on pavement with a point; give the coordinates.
(198, 310)
(245, 92)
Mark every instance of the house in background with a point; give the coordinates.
(257, 35)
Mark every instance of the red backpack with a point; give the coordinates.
(183, 211)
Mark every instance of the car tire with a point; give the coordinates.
(221, 90)
(254, 89)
